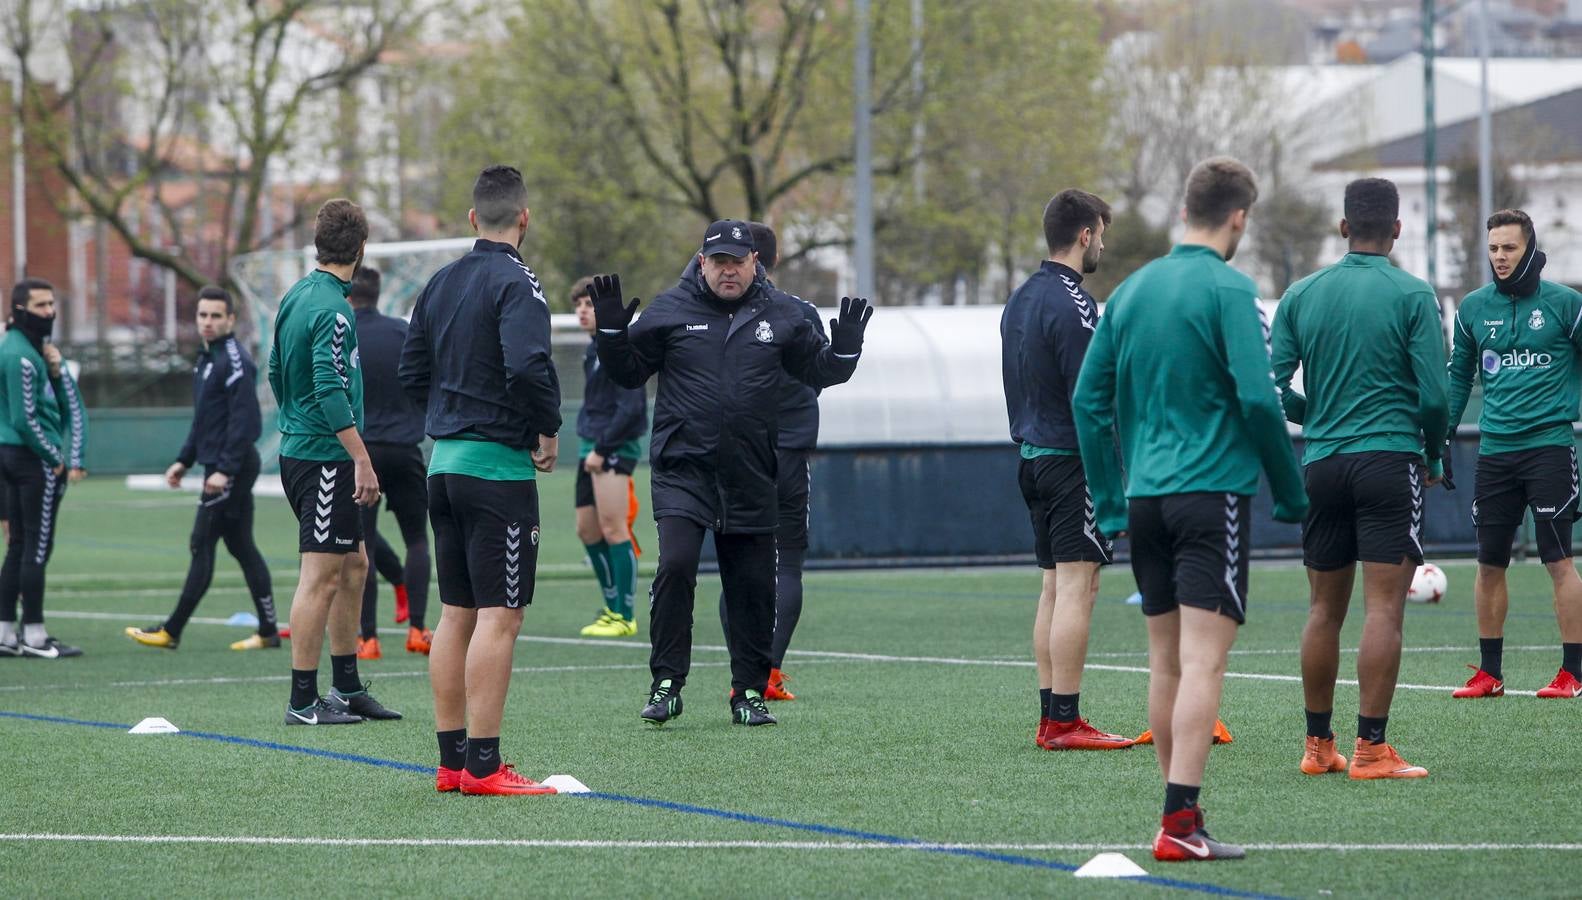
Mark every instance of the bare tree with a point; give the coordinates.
(164, 94)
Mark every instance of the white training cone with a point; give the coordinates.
(566, 784)
(1110, 865)
(154, 725)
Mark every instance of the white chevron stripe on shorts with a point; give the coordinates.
(1233, 549)
(513, 556)
(1416, 483)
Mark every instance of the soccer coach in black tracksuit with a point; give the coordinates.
(720, 343)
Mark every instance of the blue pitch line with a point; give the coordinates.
(672, 806)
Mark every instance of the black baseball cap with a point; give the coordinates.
(731, 237)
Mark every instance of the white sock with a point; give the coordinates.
(34, 634)
(7, 632)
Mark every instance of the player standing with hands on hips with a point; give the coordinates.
(324, 467)
(477, 354)
(719, 342)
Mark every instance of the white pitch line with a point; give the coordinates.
(864, 657)
(265, 679)
(530, 843)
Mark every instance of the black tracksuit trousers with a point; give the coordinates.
(747, 573)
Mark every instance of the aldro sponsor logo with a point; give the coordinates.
(1494, 362)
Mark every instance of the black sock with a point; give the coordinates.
(1318, 724)
(1063, 707)
(1043, 702)
(1371, 728)
(343, 672)
(1491, 649)
(483, 756)
(1571, 659)
(452, 748)
(1180, 796)
(304, 688)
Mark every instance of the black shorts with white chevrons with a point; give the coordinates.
(1191, 550)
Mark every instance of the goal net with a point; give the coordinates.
(264, 278)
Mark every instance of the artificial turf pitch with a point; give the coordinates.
(906, 766)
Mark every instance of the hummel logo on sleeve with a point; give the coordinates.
(703, 327)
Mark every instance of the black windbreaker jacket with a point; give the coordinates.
(1044, 332)
(611, 415)
(389, 415)
(798, 401)
(225, 417)
(477, 351)
(717, 409)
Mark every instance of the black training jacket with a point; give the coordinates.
(716, 412)
(389, 415)
(225, 417)
(798, 401)
(1044, 333)
(611, 415)
(477, 351)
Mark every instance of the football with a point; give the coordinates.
(1428, 585)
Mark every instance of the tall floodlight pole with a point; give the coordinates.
(1485, 130)
(1430, 151)
(863, 238)
(18, 179)
(918, 134)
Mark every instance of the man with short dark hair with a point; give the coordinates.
(1179, 368)
(610, 426)
(477, 354)
(1523, 334)
(315, 374)
(226, 423)
(719, 342)
(798, 436)
(1044, 334)
(43, 435)
(392, 432)
(1373, 411)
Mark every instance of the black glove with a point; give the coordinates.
(1449, 479)
(845, 333)
(610, 312)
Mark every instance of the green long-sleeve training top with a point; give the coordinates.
(42, 413)
(1526, 350)
(1372, 350)
(1179, 368)
(313, 368)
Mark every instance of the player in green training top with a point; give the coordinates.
(1524, 334)
(1372, 349)
(1179, 368)
(325, 469)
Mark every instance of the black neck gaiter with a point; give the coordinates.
(1523, 280)
(35, 326)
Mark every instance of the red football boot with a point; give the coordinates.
(1564, 685)
(1481, 684)
(401, 608)
(447, 780)
(1182, 838)
(503, 781)
(1079, 735)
